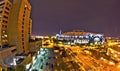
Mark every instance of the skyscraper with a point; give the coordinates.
(18, 26)
(5, 8)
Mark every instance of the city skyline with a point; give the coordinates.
(95, 16)
(59, 35)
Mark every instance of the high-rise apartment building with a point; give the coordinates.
(5, 7)
(19, 25)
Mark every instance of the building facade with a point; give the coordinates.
(81, 38)
(5, 8)
(30, 28)
(19, 25)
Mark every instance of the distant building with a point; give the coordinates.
(5, 8)
(81, 37)
(20, 25)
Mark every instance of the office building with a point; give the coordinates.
(19, 29)
(5, 8)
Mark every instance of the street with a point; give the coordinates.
(48, 60)
(72, 58)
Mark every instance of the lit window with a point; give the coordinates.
(3, 31)
(25, 5)
(5, 35)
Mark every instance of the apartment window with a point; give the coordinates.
(22, 26)
(4, 21)
(23, 19)
(24, 51)
(24, 12)
(22, 31)
(7, 12)
(23, 15)
(5, 17)
(7, 8)
(3, 26)
(3, 31)
(23, 47)
(22, 35)
(24, 9)
(2, 4)
(22, 22)
(22, 43)
(3, 41)
(25, 6)
(10, 5)
(3, 37)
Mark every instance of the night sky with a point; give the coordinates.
(100, 16)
